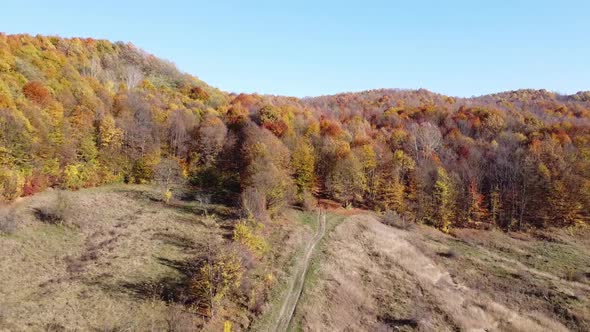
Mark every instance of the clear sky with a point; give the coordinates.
(308, 48)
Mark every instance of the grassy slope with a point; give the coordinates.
(117, 262)
(116, 243)
(313, 274)
(309, 221)
(360, 287)
(122, 251)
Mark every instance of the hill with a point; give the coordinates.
(79, 113)
(135, 191)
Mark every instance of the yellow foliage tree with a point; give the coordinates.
(218, 275)
(303, 163)
(443, 198)
(248, 234)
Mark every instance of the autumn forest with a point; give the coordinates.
(78, 113)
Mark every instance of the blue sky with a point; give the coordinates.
(308, 48)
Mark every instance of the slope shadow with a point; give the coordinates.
(168, 289)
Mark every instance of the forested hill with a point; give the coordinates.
(82, 112)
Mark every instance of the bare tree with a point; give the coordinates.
(141, 135)
(212, 134)
(167, 174)
(426, 138)
(95, 67)
(181, 124)
(133, 76)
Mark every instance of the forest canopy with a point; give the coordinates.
(77, 113)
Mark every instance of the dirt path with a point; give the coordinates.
(292, 297)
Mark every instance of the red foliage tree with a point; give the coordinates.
(36, 92)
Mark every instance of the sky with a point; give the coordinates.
(309, 48)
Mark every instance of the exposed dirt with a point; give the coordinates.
(377, 278)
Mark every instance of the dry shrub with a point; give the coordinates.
(8, 221)
(576, 276)
(308, 202)
(254, 204)
(54, 327)
(450, 253)
(217, 275)
(56, 211)
(394, 219)
(180, 320)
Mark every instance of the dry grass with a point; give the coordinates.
(56, 211)
(378, 278)
(118, 259)
(8, 220)
(91, 262)
(394, 219)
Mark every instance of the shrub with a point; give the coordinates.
(306, 201)
(227, 326)
(248, 234)
(394, 219)
(11, 184)
(72, 177)
(8, 221)
(141, 172)
(217, 276)
(167, 196)
(178, 319)
(56, 211)
(35, 184)
(450, 253)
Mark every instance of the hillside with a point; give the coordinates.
(371, 277)
(116, 258)
(132, 190)
(81, 112)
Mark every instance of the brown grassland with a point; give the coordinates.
(119, 258)
(373, 277)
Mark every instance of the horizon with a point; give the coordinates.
(462, 50)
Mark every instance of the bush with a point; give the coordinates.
(79, 175)
(307, 201)
(141, 172)
(56, 211)
(178, 319)
(35, 184)
(248, 234)
(216, 276)
(394, 219)
(8, 221)
(11, 184)
(450, 253)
